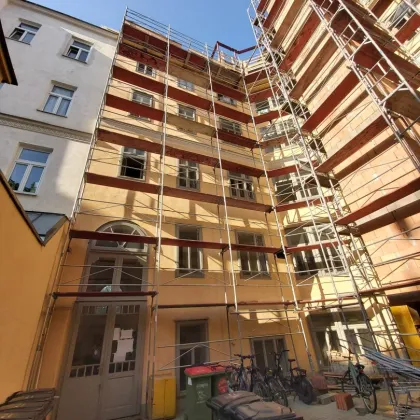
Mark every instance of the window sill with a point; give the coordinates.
(50, 113)
(74, 59)
(188, 188)
(26, 193)
(181, 275)
(20, 42)
(131, 178)
(255, 276)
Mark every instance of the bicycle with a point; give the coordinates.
(247, 378)
(278, 392)
(355, 376)
(296, 381)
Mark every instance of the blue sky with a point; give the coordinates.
(205, 20)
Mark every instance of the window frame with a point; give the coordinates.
(29, 167)
(225, 124)
(60, 99)
(189, 168)
(275, 339)
(263, 110)
(184, 115)
(70, 45)
(245, 179)
(124, 154)
(141, 92)
(183, 272)
(188, 346)
(25, 31)
(260, 273)
(186, 84)
(146, 67)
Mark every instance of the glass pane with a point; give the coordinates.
(16, 34)
(246, 239)
(200, 355)
(127, 230)
(29, 27)
(186, 232)
(184, 360)
(124, 343)
(33, 179)
(259, 354)
(192, 333)
(72, 52)
(51, 101)
(83, 55)
(81, 45)
(90, 337)
(101, 274)
(34, 155)
(28, 37)
(195, 258)
(183, 257)
(63, 91)
(131, 275)
(63, 107)
(132, 167)
(17, 175)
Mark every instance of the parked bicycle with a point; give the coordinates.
(278, 392)
(355, 377)
(294, 381)
(249, 378)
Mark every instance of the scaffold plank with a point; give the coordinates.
(309, 247)
(134, 108)
(261, 95)
(128, 184)
(337, 95)
(409, 29)
(301, 203)
(399, 193)
(300, 41)
(236, 139)
(269, 116)
(133, 53)
(262, 5)
(314, 69)
(354, 144)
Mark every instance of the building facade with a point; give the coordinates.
(241, 204)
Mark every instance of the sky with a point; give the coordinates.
(204, 20)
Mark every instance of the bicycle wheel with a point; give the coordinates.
(305, 391)
(278, 392)
(367, 392)
(262, 390)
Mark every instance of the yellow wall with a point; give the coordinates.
(27, 270)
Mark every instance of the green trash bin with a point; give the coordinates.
(203, 382)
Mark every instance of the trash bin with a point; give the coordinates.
(202, 381)
(261, 410)
(225, 404)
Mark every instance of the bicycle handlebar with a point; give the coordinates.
(249, 356)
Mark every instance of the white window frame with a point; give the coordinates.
(25, 31)
(60, 98)
(226, 99)
(263, 107)
(29, 165)
(145, 69)
(188, 166)
(77, 58)
(183, 114)
(131, 153)
(186, 84)
(182, 272)
(230, 126)
(235, 191)
(247, 272)
(150, 98)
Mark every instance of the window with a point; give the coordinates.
(253, 264)
(311, 262)
(401, 14)
(27, 172)
(190, 259)
(189, 353)
(186, 112)
(24, 32)
(59, 101)
(263, 348)
(226, 99)
(288, 187)
(79, 51)
(188, 174)
(147, 70)
(185, 84)
(142, 98)
(133, 163)
(262, 107)
(230, 126)
(241, 186)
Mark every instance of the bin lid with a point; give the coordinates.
(261, 410)
(36, 395)
(232, 399)
(204, 370)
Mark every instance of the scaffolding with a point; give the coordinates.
(146, 108)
